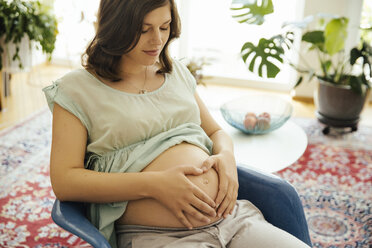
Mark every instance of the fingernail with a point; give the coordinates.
(219, 214)
(206, 220)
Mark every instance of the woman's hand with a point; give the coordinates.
(175, 191)
(224, 163)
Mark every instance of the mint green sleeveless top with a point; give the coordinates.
(127, 131)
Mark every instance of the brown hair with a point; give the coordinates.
(119, 27)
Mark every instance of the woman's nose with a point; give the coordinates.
(156, 37)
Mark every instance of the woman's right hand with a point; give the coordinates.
(175, 191)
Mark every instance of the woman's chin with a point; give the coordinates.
(152, 61)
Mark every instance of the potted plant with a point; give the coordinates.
(28, 21)
(344, 78)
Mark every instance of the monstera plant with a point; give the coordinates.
(349, 71)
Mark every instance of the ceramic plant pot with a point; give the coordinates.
(338, 105)
(25, 54)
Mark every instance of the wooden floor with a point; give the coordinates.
(27, 97)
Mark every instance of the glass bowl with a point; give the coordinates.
(278, 109)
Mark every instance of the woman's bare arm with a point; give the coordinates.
(71, 181)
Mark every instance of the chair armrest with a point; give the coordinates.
(71, 217)
(277, 200)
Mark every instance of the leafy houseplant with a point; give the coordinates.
(20, 18)
(338, 69)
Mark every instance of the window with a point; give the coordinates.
(76, 29)
(209, 31)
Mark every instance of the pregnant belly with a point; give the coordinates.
(149, 212)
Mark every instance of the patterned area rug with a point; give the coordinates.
(333, 178)
(26, 196)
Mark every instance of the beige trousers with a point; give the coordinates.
(246, 227)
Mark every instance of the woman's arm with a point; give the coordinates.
(72, 182)
(222, 160)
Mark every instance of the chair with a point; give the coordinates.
(276, 198)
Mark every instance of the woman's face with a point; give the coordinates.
(155, 34)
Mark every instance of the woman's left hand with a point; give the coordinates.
(225, 165)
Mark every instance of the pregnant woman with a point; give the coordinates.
(133, 140)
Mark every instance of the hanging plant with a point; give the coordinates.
(20, 18)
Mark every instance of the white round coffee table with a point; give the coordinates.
(268, 152)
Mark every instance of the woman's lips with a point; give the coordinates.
(152, 52)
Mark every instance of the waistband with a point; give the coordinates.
(122, 228)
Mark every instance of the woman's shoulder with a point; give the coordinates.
(181, 73)
(75, 76)
(178, 66)
(179, 69)
(76, 86)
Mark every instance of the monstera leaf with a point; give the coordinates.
(268, 51)
(365, 53)
(252, 11)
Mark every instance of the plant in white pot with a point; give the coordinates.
(344, 77)
(25, 21)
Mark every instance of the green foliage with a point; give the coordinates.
(266, 54)
(19, 18)
(365, 55)
(335, 34)
(252, 11)
(316, 38)
(264, 50)
(328, 40)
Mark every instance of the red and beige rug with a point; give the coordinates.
(333, 178)
(26, 196)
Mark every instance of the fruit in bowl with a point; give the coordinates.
(257, 114)
(251, 121)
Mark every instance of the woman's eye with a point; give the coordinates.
(161, 28)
